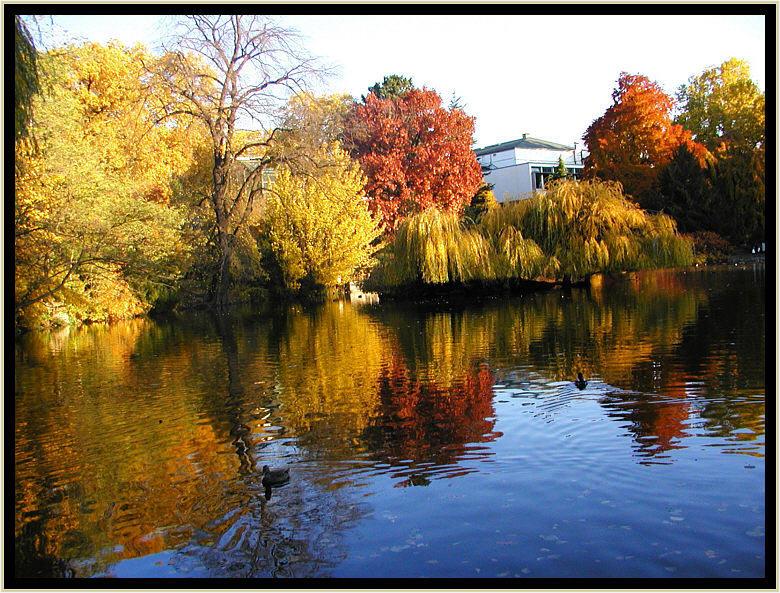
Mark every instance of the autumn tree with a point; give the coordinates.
(723, 106)
(636, 138)
(311, 123)
(317, 226)
(725, 110)
(415, 153)
(571, 231)
(94, 231)
(233, 72)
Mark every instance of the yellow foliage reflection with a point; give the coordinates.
(141, 437)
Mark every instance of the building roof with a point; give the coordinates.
(524, 142)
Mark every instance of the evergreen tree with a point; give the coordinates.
(391, 87)
(686, 193)
(483, 201)
(560, 171)
(740, 192)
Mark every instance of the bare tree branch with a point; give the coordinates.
(233, 71)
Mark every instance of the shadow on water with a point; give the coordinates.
(139, 446)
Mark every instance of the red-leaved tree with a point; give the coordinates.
(415, 153)
(636, 137)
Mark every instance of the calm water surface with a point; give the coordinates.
(443, 440)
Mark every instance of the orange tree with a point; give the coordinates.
(415, 153)
(636, 137)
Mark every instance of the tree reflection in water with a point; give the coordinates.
(145, 439)
(424, 430)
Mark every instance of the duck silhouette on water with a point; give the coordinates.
(580, 383)
(273, 478)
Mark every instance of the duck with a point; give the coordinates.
(275, 477)
(580, 383)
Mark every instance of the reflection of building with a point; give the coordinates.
(522, 166)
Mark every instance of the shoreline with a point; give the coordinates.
(422, 294)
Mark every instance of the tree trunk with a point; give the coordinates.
(221, 284)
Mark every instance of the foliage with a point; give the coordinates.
(710, 245)
(572, 230)
(317, 226)
(434, 247)
(415, 153)
(560, 170)
(94, 229)
(741, 194)
(589, 226)
(483, 201)
(222, 69)
(636, 137)
(26, 81)
(686, 192)
(727, 198)
(724, 109)
(313, 121)
(723, 106)
(392, 86)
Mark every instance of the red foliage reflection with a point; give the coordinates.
(429, 429)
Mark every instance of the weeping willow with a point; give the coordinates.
(26, 79)
(435, 247)
(573, 230)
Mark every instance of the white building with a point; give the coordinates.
(518, 168)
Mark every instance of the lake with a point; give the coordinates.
(436, 440)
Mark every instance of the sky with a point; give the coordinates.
(547, 76)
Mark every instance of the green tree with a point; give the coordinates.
(483, 201)
(391, 87)
(26, 82)
(318, 231)
(723, 105)
(739, 183)
(686, 192)
(560, 170)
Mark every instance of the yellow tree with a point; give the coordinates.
(725, 110)
(93, 227)
(317, 225)
(722, 105)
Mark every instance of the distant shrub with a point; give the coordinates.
(710, 246)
